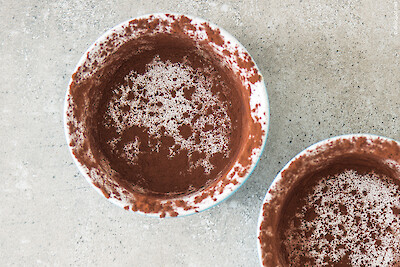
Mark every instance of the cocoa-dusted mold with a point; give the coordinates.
(157, 39)
(368, 155)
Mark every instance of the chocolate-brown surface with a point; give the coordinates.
(290, 212)
(297, 211)
(156, 169)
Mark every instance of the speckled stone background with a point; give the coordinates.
(331, 67)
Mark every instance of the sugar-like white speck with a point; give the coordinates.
(156, 101)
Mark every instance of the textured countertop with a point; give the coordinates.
(330, 68)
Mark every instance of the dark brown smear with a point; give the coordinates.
(297, 182)
(161, 177)
(156, 172)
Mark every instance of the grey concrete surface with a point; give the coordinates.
(331, 67)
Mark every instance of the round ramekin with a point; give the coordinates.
(235, 56)
(383, 151)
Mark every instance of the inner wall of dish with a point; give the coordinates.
(122, 88)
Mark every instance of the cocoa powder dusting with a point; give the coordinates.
(214, 36)
(160, 116)
(332, 207)
(143, 131)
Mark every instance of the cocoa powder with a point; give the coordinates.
(176, 121)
